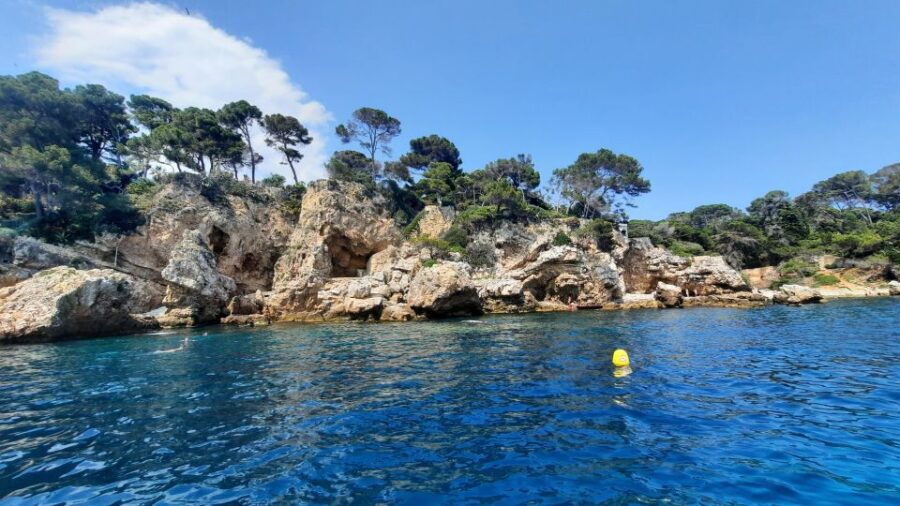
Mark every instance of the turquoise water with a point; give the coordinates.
(772, 405)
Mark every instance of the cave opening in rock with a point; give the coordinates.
(347, 261)
(218, 240)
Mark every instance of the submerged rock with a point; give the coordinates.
(65, 302)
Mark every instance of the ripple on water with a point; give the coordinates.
(776, 405)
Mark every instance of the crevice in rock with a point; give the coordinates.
(218, 240)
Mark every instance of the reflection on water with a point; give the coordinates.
(771, 405)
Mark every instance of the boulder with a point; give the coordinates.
(644, 265)
(894, 287)
(797, 294)
(63, 302)
(504, 296)
(397, 313)
(668, 295)
(443, 290)
(193, 280)
(637, 301)
(710, 275)
(12, 274)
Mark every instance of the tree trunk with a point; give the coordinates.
(294, 172)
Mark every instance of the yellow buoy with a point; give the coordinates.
(620, 358)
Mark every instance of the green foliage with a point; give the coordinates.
(480, 255)
(686, 249)
(274, 181)
(477, 215)
(372, 128)
(11, 206)
(291, 198)
(599, 230)
(561, 239)
(286, 134)
(456, 238)
(858, 244)
(141, 193)
(428, 262)
(352, 166)
(825, 279)
(600, 182)
(424, 151)
(439, 248)
(413, 226)
(796, 269)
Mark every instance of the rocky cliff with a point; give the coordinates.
(343, 257)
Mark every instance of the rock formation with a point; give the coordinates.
(244, 261)
(64, 302)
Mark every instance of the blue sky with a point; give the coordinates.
(720, 101)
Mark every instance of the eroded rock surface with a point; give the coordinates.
(63, 302)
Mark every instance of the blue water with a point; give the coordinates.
(772, 405)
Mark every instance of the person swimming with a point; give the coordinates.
(622, 363)
(184, 345)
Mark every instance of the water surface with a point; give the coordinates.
(772, 405)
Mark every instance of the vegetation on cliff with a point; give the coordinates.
(79, 162)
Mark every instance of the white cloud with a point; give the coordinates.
(183, 59)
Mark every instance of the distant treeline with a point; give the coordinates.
(78, 162)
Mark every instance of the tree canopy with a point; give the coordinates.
(601, 182)
(372, 128)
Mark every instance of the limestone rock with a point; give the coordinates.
(397, 313)
(668, 295)
(638, 301)
(434, 221)
(796, 294)
(246, 235)
(64, 302)
(894, 287)
(194, 282)
(710, 275)
(340, 227)
(644, 266)
(504, 296)
(445, 289)
(761, 277)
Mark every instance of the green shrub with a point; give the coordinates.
(825, 279)
(438, 248)
(274, 181)
(858, 244)
(291, 199)
(561, 239)
(796, 268)
(480, 254)
(476, 215)
(412, 226)
(599, 230)
(428, 262)
(686, 249)
(141, 192)
(11, 206)
(456, 237)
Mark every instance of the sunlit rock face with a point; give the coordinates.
(65, 302)
(340, 227)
